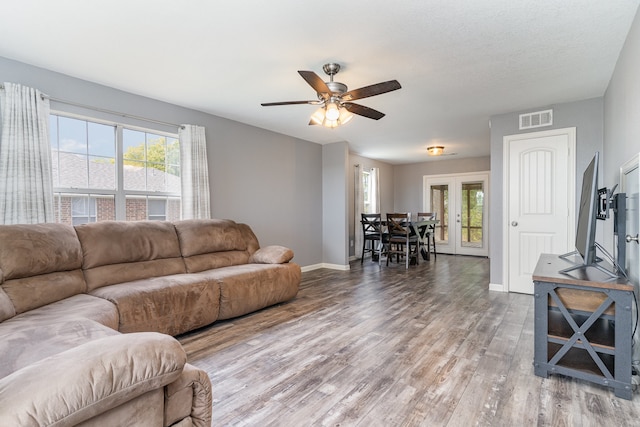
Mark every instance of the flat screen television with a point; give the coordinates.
(587, 215)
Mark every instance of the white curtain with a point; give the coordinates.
(26, 187)
(375, 190)
(194, 170)
(359, 209)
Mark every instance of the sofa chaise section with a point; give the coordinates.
(94, 379)
(63, 360)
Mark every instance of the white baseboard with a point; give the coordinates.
(325, 265)
(497, 287)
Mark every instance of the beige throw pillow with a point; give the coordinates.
(273, 254)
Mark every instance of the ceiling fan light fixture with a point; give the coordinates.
(333, 96)
(333, 113)
(320, 117)
(345, 116)
(435, 150)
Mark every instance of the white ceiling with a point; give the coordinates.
(458, 62)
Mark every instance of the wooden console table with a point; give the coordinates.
(583, 325)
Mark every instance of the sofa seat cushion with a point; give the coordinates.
(81, 306)
(89, 379)
(250, 287)
(26, 340)
(171, 304)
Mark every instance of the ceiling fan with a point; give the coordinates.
(334, 98)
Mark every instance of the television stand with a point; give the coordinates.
(583, 325)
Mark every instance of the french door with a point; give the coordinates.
(461, 203)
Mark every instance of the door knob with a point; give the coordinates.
(630, 238)
(514, 223)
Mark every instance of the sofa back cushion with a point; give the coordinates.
(212, 243)
(121, 251)
(39, 264)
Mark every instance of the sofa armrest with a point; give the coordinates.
(273, 254)
(80, 383)
(189, 397)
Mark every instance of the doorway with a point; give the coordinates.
(538, 202)
(629, 183)
(461, 203)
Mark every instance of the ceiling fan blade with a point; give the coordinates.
(361, 110)
(316, 83)
(367, 91)
(270, 104)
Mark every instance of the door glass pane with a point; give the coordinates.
(440, 206)
(472, 212)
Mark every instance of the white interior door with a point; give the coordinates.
(539, 200)
(461, 203)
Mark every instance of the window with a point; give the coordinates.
(157, 209)
(83, 210)
(109, 171)
(366, 191)
(369, 192)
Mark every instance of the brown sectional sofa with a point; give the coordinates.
(86, 315)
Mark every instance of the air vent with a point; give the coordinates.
(536, 119)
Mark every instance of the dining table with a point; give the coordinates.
(415, 227)
(420, 229)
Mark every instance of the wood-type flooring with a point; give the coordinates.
(386, 346)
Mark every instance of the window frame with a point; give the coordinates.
(119, 194)
(366, 191)
(90, 214)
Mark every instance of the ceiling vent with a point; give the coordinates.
(536, 119)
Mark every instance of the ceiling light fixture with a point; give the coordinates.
(435, 150)
(332, 111)
(331, 116)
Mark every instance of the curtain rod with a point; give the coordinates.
(102, 110)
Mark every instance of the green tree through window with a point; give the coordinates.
(158, 155)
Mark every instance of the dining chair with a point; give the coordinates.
(427, 234)
(373, 234)
(403, 242)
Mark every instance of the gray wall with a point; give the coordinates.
(267, 180)
(586, 116)
(408, 179)
(622, 114)
(335, 159)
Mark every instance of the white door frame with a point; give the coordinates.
(571, 191)
(632, 165)
(629, 166)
